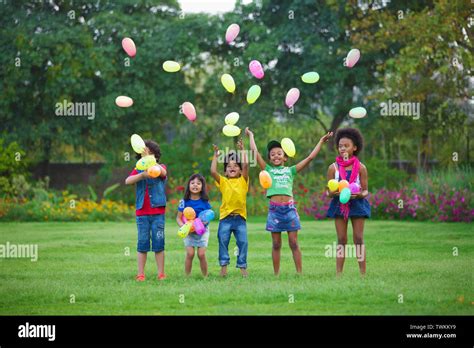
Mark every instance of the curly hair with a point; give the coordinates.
(352, 134)
(154, 149)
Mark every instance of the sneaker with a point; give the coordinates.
(140, 278)
(161, 276)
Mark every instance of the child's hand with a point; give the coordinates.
(240, 144)
(248, 132)
(216, 150)
(145, 175)
(326, 137)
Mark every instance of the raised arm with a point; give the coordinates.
(214, 172)
(261, 162)
(244, 160)
(304, 163)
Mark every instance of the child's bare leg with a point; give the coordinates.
(141, 257)
(276, 250)
(202, 260)
(295, 249)
(341, 230)
(188, 262)
(160, 262)
(358, 236)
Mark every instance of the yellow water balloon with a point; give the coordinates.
(171, 66)
(232, 118)
(228, 83)
(253, 94)
(288, 146)
(231, 130)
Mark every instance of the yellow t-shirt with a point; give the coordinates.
(234, 196)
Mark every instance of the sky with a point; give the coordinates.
(209, 6)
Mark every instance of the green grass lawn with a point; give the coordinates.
(88, 260)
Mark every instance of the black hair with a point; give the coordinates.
(232, 156)
(352, 134)
(202, 179)
(154, 149)
(274, 147)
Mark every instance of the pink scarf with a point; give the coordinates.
(355, 163)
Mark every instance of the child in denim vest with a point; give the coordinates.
(150, 212)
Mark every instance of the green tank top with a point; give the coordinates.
(282, 180)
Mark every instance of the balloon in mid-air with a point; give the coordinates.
(358, 112)
(232, 32)
(256, 69)
(232, 118)
(129, 47)
(292, 97)
(265, 179)
(228, 83)
(137, 142)
(171, 66)
(124, 101)
(352, 57)
(253, 94)
(189, 111)
(310, 77)
(288, 146)
(231, 130)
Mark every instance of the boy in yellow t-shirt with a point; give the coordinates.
(233, 211)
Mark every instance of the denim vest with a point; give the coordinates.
(156, 192)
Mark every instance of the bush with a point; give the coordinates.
(66, 210)
(449, 205)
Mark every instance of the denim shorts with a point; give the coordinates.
(283, 217)
(196, 240)
(151, 228)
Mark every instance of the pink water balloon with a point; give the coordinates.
(199, 226)
(124, 101)
(355, 188)
(256, 69)
(129, 47)
(352, 57)
(292, 97)
(232, 32)
(189, 111)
